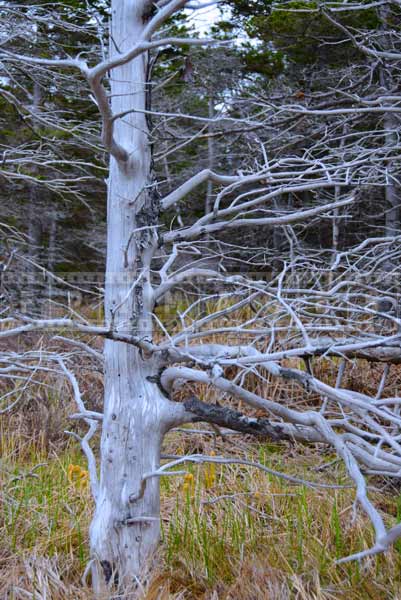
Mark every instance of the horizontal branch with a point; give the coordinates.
(72, 63)
(220, 460)
(179, 278)
(300, 110)
(101, 69)
(194, 182)
(380, 350)
(232, 419)
(68, 324)
(295, 217)
(313, 419)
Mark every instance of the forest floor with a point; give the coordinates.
(228, 532)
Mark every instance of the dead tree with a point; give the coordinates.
(144, 361)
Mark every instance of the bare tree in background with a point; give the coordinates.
(299, 313)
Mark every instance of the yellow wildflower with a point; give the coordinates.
(189, 484)
(77, 475)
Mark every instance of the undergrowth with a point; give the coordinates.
(228, 532)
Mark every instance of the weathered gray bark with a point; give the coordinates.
(124, 534)
(390, 124)
(210, 155)
(51, 259)
(392, 192)
(33, 291)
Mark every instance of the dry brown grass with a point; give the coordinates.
(229, 533)
(265, 539)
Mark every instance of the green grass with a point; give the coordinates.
(44, 509)
(267, 535)
(294, 531)
(268, 539)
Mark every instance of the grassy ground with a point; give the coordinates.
(228, 532)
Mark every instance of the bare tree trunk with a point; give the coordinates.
(278, 239)
(51, 260)
(390, 122)
(33, 291)
(335, 236)
(392, 226)
(124, 534)
(210, 154)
